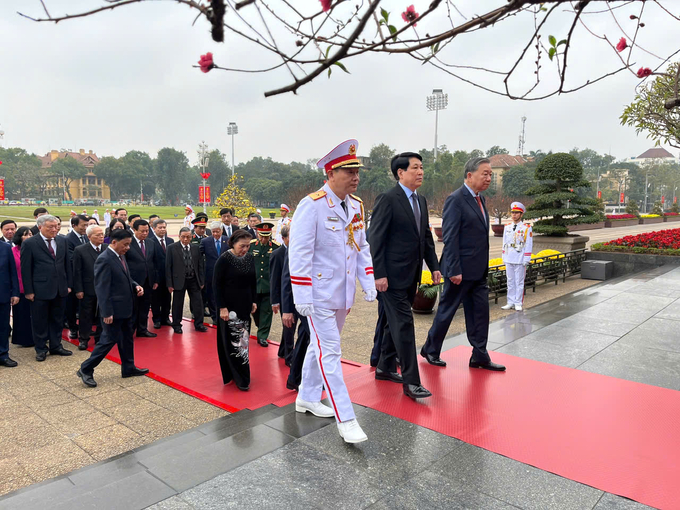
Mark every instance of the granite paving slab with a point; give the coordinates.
(603, 325)
(655, 333)
(537, 350)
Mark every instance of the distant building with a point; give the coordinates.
(89, 187)
(656, 155)
(499, 164)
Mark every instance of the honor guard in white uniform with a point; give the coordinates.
(328, 252)
(517, 245)
(285, 220)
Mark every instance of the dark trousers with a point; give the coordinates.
(474, 294)
(142, 305)
(72, 312)
(47, 319)
(192, 288)
(160, 303)
(119, 332)
(210, 296)
(4, 330)
(379, 332)
(88, 318)
(399, 337)
(300, 350)
(263, 315)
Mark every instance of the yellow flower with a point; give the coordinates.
(650, 216)
(426, 278)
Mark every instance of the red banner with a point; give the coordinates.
(599, 194)
(204, 195)
(663, 199)
(2, 189)
(675, 200)
(622, 198)
(207, 194)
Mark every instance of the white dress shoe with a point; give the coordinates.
(509, 306)
(351, 431)
(316, 408)
(518, 308)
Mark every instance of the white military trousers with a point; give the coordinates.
(322, 367)
(515, 274)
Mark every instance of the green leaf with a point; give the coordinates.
(342, 66)
(328, 50)
(329, 72)
(393, 30)
(436, 48)
(385, 14)
(552, 40)
(551, 53)
(563, 41)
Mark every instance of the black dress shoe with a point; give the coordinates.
(8, 362)
(243, 388)
(291, 386)
(146, 334)
(416, 391)
(82, 345)
(73, 335)
(87, 379)
(136, 372)
(156, 325)
(61, 352)
(438, 362)
(384, 375)
(177, 329)
(487, 366)
(40, 356)
(202, 328)
(374, 364)
(166, 322)
(263, 343)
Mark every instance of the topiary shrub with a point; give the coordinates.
(555, 201)
(675, 208)
(632, 208)
(657, 209)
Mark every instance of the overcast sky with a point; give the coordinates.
(124, 80)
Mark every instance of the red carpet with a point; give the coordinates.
(615, 435)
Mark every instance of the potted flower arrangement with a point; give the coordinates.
(673, 214)
(620, 220)
(656, 216)
(426, 296)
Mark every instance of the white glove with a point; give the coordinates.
(305, 310)
(370, 295)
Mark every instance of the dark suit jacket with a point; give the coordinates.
(208, 250)
(9, 281)
(397, 248)
(84, 257)
(142, 268)
(114, 287)
(287, 303)
(251, 232)
(161, 254)
(174, 265)
(42, 275)
(35, 230)
(73, 242)
(276, 274)
(466, 236)
(233, 229)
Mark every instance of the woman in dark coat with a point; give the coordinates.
(22, 331)
(235, 288)
(116, 223)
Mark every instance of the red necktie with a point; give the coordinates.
(163, 243)
(143, 249)
(50, 249)
(122, 261)
(481, 207)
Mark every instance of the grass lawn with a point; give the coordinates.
(25, 213)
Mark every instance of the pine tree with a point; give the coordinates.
(235, 197)
(632, 208)
(657, 209)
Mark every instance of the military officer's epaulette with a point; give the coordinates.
(355, 198)
(317, 195)
(253, 241)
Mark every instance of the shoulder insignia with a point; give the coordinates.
(317, 195)
(275, 243)
(253, 241)
(356, 198)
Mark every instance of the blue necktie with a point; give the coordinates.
(217, 247)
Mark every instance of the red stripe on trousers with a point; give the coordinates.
(323, 374)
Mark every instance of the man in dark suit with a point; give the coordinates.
(84, 258)
(9, 296)
(46, 275)
(400, 241)
(226, 214)
(76, 237)
(465, 265)
(37, 213)
(7, 230)
(253, 219)
(160, 297)
(185, 273)
(211, 248)
(116, 292)
(143, 261)
(281, 286)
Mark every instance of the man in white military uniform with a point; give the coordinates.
(327, 253)
(285, 220)
(517, 245)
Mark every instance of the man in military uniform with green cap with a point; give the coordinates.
(261, 248)
(199, 233)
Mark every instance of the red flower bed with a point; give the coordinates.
(671, 214)
(621, 216)
(662, 240)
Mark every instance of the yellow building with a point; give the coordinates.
(90, 187)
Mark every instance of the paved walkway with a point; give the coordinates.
(276, 458)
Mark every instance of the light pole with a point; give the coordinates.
(674, 190)
(232, 129)
(437, 101)
(203, 163)
(646, 188)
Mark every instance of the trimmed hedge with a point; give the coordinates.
(636, 249)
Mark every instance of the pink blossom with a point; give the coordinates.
(206, 62)
(643, 72)
(623, 44)
(410, 14)
(326, 5)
